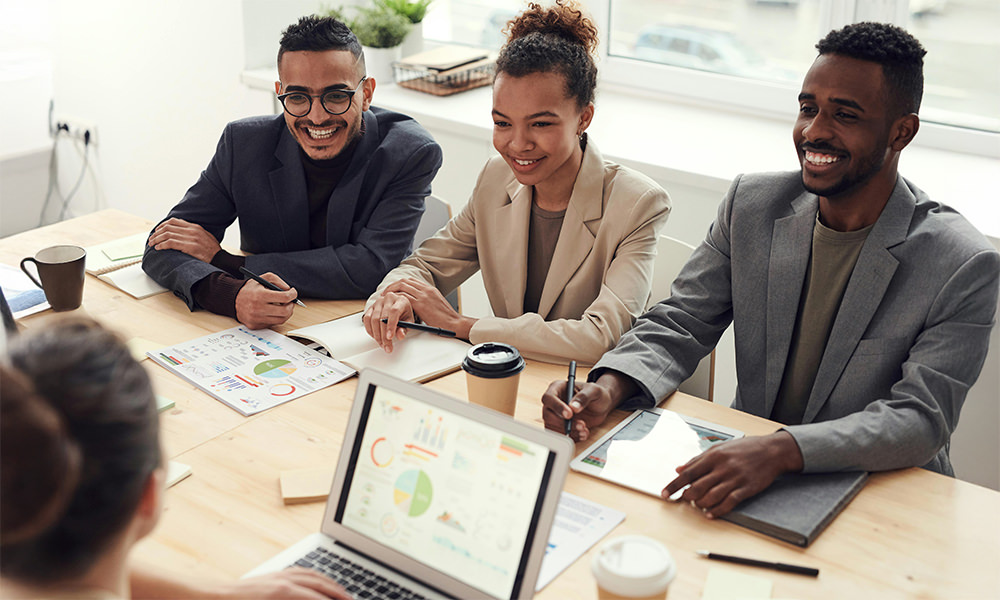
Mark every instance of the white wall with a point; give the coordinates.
(160, 79)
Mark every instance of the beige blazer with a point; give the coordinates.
(601, 271)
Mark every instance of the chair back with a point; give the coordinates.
(671, 256)
(436, 215)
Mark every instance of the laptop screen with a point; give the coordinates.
(459, 496)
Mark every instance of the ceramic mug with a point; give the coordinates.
(61, 270)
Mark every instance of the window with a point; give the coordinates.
(752, 54)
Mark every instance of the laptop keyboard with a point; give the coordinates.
(358, 580)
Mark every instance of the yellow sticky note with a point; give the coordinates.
(728, 584)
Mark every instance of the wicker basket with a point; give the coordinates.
(444, 83)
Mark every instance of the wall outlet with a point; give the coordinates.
(76, 128)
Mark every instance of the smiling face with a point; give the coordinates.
(537, 128)
(847, 140)
(321, 135)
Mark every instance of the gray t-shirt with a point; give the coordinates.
(834, 254)
(543, 233)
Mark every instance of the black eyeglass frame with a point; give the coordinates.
(350, 99)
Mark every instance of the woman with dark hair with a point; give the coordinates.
(564, 238)
(81, 474)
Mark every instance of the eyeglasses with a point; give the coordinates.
(335, 102)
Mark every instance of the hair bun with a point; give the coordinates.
(40, 461)
(565, 19)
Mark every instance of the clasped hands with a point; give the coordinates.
(405, 300)
(256, 306)
(715, 481)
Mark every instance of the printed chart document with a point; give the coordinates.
(579, 525)
(119, 263)
(251, 369)
(419, 356)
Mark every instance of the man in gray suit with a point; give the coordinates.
(328, 195)
(861, 309)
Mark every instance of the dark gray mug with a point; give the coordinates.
(61, 270)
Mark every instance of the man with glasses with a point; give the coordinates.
(328, 195)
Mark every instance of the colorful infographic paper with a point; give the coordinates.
(251, 369)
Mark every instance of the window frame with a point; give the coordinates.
(769, 99)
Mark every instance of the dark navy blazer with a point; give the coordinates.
(257, 176)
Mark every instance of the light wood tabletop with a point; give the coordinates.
(908, 534)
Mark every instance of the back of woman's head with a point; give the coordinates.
(78, 441)
(558, 39)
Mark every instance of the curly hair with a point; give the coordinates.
(314, 33)
(899, 53)
(558, 39)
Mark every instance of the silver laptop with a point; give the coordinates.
(434, 498)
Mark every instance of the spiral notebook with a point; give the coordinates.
(119, 263)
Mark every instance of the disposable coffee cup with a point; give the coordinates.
(492, 371)
(633, 567)
(61, 270)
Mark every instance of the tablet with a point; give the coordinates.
(635, 427)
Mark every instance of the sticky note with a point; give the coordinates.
(725, 584)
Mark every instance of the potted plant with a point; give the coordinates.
(414, 11)
(380, 32)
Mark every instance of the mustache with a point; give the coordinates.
(307, 123)
(820, 147)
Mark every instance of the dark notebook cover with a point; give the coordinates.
(798, 506)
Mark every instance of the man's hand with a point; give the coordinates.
(728, 473)
(258, 307)
(291, 584)
(590, 404)
(392, 307)
(189, 238)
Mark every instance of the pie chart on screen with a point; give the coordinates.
(274, 368)
(413, 492)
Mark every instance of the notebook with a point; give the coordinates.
(797, 507)
(420, 356)
(436, 496)
(119, 262)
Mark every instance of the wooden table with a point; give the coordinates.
(908, 534)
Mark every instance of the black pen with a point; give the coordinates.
(422, 327)
(570, 385)
(267, 284)
(761, 563)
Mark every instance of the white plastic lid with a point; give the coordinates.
(633, 566)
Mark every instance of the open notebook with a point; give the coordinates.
(119, 263)
(420, 356)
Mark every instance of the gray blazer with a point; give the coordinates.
(256, 175)
(909, 340)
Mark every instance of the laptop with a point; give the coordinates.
(434, 498)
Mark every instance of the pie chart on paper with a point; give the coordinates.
(274, 369)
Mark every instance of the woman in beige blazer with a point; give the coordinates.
(565, 239)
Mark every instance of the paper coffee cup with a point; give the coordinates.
(492, 372)
(633, 567)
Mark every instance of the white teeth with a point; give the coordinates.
(524, 163)
(821, 159)
(320, 134)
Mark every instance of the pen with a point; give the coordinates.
(570, 389)
(267, 284)
(422, 327)
(761, 563)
